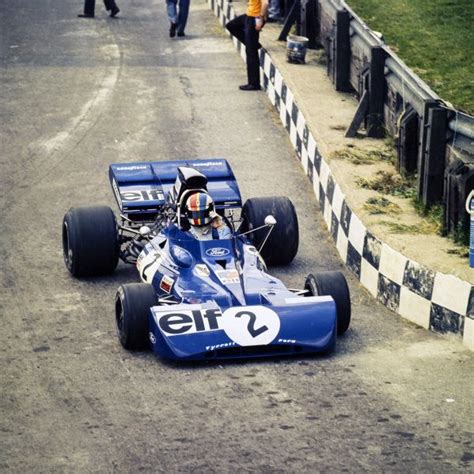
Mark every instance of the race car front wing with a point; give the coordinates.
(296, 325)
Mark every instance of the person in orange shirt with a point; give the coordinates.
(246, 28)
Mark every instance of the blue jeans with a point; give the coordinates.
(274, 9)
(178, 13)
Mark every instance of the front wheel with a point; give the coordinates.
(332, 284)
(132, 307)
(282, 244)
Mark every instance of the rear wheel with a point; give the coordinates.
(332, 284)
(90, 241)
(132, 307)
(282, 244)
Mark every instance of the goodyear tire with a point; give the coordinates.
(282, 244)
(132, 307)
(90, 241)
(332, 284)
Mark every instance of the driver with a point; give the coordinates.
(206, 224)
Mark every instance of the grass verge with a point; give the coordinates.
(433, 37)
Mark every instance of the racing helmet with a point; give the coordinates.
(199, 209)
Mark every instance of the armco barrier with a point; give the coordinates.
(433, 300)
(430, 134)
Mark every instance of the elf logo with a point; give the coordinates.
(181, 322)
(142, 195)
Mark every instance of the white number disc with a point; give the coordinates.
(251, 325)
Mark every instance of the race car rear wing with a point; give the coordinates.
(142, 188)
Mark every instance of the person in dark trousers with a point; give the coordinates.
(178, 16)
(246, 28)
(89, 8)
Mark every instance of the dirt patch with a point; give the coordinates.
(381, 205)
(360, 156)
(388, 182)
(425, 227)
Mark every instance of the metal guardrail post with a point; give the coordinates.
(421, 150)
(435, 156)
(458, 184)
(309, 25)
(377, 87)
(408, 141)
(343, 52)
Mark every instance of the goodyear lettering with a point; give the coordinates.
(132, 168)
(207, 163)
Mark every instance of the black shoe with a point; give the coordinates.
(181, 33)
(249, 87)
(114, 11)
(83, 15)
(173, 30)
(275, 19)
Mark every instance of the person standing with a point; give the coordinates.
(246, 28)
(178, 16)
(89, 8)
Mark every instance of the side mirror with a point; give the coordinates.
(270, 220)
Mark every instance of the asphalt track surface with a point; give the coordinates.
(78, 95)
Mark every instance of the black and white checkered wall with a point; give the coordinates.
(433, 300)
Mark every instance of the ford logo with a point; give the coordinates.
(217, 252)
(181, 256)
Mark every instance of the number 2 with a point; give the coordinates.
(251, 325)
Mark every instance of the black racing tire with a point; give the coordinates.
(332, 284)
(90, 241)
(282, 244)
(132, 307)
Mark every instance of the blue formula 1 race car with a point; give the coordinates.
(203, 296)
